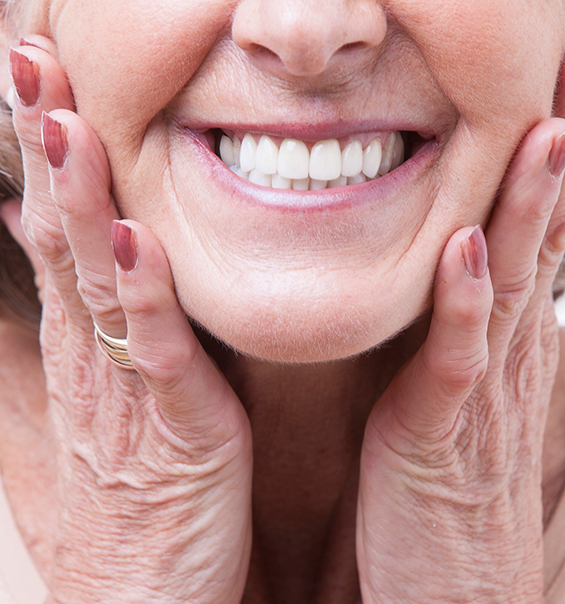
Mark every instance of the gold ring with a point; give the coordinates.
(115, 349)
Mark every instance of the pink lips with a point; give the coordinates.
(326, 199)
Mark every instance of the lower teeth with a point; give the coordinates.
(376, 162)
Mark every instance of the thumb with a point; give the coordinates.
(425, 398)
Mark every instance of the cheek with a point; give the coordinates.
(497, 60)
(126, 60)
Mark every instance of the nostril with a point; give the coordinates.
(352, 46)
(263, 52)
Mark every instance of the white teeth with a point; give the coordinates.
(325, 166)
(325, 160)
(301, 184)
(236, 151)
(356, 180)
(248, 153)
(397, 153)
(352, 159)
(341, 181)
(257, 177)
(280, 182)
(226, 151)
(386, 161)
(372, 158)
(267, 155)
(317, 185)
(294, 159)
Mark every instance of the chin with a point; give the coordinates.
(304, 330)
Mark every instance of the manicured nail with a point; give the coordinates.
(25, 76)
(475, 253)
(54, 137)
(557, 156)
(124, 244)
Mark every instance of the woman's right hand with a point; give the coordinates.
(153, 490)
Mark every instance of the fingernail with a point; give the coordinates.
(124, 245)
(25, 76)
(475, 253)
(557, 156)
(54, 137)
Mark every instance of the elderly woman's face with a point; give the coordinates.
(320, 274)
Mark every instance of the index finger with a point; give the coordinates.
(518, 226)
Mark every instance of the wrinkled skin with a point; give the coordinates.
(357, 461)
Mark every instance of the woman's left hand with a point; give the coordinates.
(450, 505)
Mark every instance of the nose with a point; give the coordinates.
(305, 37)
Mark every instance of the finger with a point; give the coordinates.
(80, 185)
(40, 84)
(549, 260)
(517, 228)
(194, 398)
(425, 398)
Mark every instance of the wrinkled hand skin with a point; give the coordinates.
(152, 468)
(451, 465)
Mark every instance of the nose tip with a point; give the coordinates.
(305, 37)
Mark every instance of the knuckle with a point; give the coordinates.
(522, 373)
(554, 244)
(161, 372)
(49, 241)
(98, 289)
(539, 213)
(144, 308)
(163, 365)
(458, 371)
(551, 251)
(468, 313)
(465, 373)
(99, 296)
(511, 299)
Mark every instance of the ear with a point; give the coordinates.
(11, 216)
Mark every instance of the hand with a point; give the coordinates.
(450, 495)
(153, 493)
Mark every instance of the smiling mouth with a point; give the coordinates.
(278, 163)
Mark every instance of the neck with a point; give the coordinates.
(308, 423)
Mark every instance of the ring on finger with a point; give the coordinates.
(115, 349)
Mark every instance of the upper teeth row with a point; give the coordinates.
(326, 165)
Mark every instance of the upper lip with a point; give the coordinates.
(312, 132)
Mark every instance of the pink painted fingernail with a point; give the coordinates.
(124, 244)
(475, 253)
(25, 76)
(54, 137)
(557, 156)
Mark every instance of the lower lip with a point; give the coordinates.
(337, 198)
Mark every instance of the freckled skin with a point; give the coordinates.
(482, 73)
